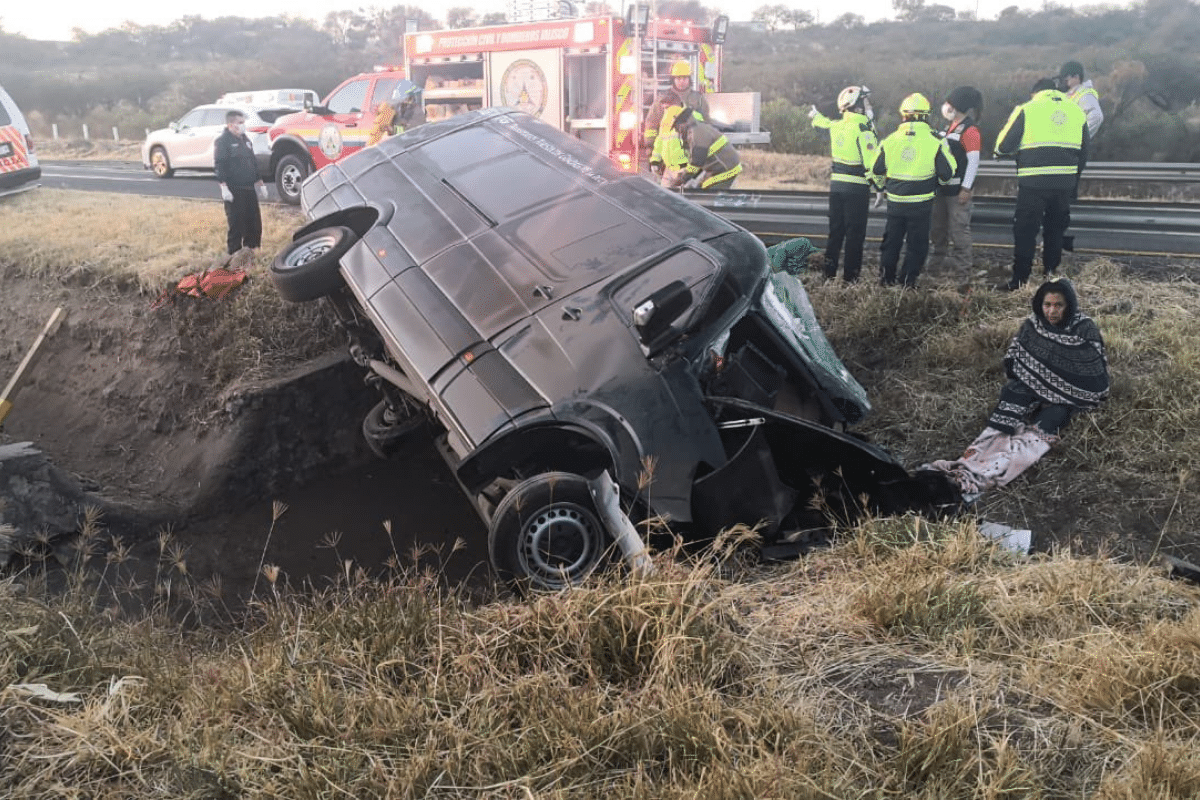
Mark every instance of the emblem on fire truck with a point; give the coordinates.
(524, 86)
(330, 142)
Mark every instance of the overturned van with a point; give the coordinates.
(558, 320)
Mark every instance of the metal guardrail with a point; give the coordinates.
(1141, 226)
(1108, 170)
(1164, 217)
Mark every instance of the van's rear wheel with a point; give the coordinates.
(290, 172)
(388, 425)
(307, 269)
(546, 533)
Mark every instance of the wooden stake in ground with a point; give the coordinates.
(26, 366)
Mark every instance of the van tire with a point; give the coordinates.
(546, 534)
(308, 268)
(160, 164)
(290, 172)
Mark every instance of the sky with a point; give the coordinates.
(56, 20)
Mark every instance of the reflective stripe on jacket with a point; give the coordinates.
(853, 147)
(1049, 137)
(711, 153)
(913, 160)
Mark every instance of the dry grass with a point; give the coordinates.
(89, 150)
(763, 170)
(914, 660)
(149, 241)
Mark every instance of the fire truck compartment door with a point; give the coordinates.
(530, 80)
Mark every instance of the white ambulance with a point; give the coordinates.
(19, 169)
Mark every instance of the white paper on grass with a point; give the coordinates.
(1018, 540)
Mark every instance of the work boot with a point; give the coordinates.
(1069, 243)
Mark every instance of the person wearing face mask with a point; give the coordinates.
(853, 146)
(950, 225)
(241, 186)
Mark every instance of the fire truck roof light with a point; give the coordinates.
(719, 29)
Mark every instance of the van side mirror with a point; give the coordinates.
(654, 315)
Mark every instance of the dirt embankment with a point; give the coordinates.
(121, 402)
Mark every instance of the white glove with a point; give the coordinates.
(694, 183)
(878, 199)
(812, 112)
(226, 195)
(262, 191)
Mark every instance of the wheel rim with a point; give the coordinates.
(290, 179)
(158, 162)
(310, 251)
(560, 545)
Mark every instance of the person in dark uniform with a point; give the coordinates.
(241, 186)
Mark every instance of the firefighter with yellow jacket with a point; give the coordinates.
(712, 162)
(912, 162)
(667, 155)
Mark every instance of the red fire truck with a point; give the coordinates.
(583, 75)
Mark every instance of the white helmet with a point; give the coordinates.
(851, 96)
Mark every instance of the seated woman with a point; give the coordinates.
(1057, 367)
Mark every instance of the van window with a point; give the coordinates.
(5, 119)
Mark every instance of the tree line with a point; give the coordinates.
(1144, 60)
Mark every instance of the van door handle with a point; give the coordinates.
(572, 313)
(544, 292)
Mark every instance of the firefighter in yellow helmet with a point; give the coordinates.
(669, 155)
(712, 162)
(853, 146)
(912, 162)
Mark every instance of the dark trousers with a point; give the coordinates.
(847, 223)
(1019, 405)
(907, 228)
(1047, 210)
(245, 220)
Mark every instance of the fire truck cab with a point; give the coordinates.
(593, 77)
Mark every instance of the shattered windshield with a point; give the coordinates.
(786, 305)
